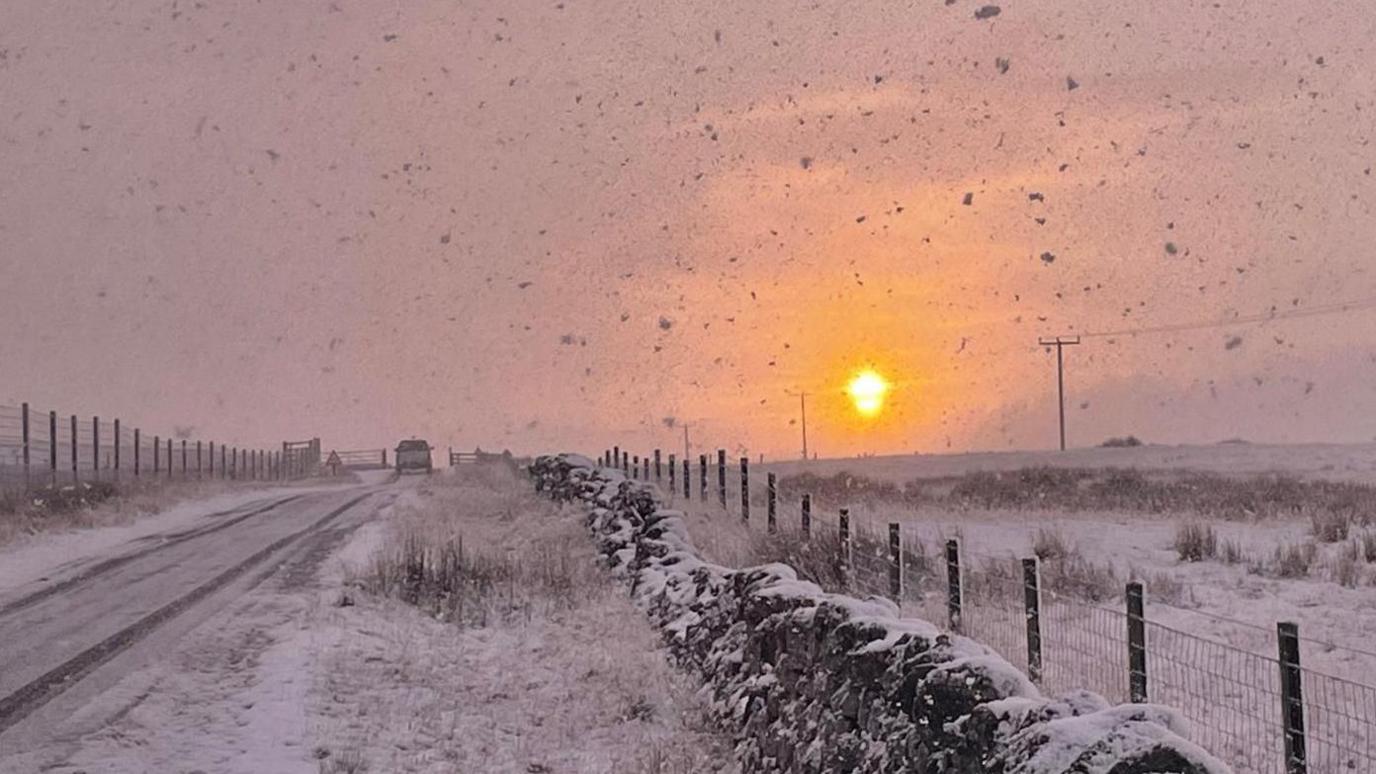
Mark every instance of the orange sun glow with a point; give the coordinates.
(867, 390)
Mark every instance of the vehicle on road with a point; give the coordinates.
(414, 455)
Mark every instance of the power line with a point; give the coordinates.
(1313, 311)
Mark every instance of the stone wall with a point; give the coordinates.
(814, 682)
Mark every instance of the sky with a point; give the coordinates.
(567, 225)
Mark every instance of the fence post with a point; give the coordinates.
(157, 455)
(183, 458)
(224, 469)
(95, 446)
(844, 534)
(626, 464)
(616, 456)
(646, 462)
(673, 475)
(687, 483)
(200, 464)
(138, 453)
(721, 477)
(806, 522)
(635, 466)
(772, 503)
(25, 425)
(745, 489)
(75, 456)
(1032, 601)
(169, 458)
(211, 467)
(659, 471)
(953, 611)
(1137, 644)
(118, 439)
(895, 563)
(1292, 698)
(702, 477)
(52, 445)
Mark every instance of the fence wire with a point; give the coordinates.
(1230, 697)
(60, 454)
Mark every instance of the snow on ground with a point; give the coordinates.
(34, 556)
(49, 554)
(1355, 462)
(581, 688)
(299, 677)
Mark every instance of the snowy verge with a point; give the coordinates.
(818, 682)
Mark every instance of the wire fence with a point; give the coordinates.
(44, 449)
(1262, 712)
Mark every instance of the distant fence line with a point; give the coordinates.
(43, 448)
(1262, 714)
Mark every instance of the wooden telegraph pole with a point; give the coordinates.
(1060, 342)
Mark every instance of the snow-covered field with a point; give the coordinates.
(580, 684)
(1355, 462)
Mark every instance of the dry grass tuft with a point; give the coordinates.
(1230, 551)
(1195, 542)
(1294, 560)
(1330, 527)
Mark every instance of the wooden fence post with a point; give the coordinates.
(687, 484)
(806, 522)
(659, 473)
(1292, 698)
(616, 456)
(157, 455)
(138, 452)
(200, 464)
(75, 454)
(52, 445)
(953, 610)
(1032, 602)
(702, 477)
(845, 557)
(895, 563)
(25, 427)
(721, 477)
(673, 475)
(745, 489)
(772, 503)
(118, 443)
(1137, 643)
(646, 462)
(169, 458)
(95, 446)
(183, 458)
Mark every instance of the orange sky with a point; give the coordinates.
(557, 225)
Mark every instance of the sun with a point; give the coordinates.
(867, 390)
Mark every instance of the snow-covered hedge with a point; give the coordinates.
(816, 682)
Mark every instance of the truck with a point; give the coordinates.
(414, 455)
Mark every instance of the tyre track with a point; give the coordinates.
(119, 561)
(23, 702)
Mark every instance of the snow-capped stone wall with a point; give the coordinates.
(814, 682)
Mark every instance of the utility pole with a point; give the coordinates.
(1060, 342)
(802, 405)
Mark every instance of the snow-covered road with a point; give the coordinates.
(70, 639)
